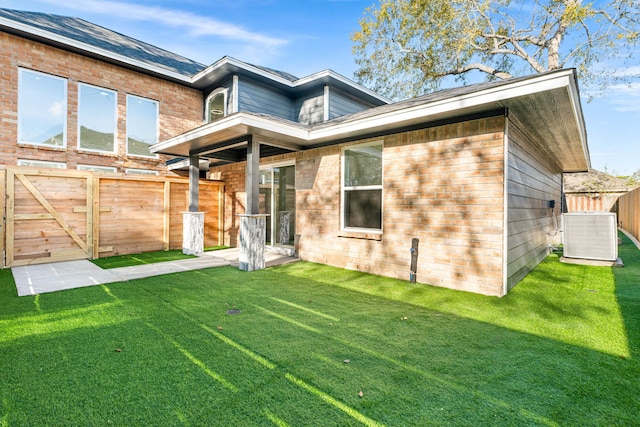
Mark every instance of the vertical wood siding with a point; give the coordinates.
(533, 180)
(64, 214)
(629, 212)
(590, 202)
(257, 98)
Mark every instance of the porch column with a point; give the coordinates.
(193, 221)
(252, 224)
(252, 183)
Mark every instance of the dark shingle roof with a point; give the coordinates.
(96, 36)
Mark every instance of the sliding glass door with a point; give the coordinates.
(278, 199)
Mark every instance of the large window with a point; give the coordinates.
(96, 118)
(142, 125)
(362, 187)
(42, 109)
(216, 105)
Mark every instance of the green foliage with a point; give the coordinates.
(561, 349)
(405, 48)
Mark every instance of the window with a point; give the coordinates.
(141, 172)
(216, 105)
(362, 187)
(41, 164)
(142, 125)
(92, 168)
(96, 118)
(42, 109)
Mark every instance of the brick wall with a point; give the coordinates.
(443, 185)
(180, 107)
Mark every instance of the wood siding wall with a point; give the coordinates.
(341, 104)
(533, 180)
(629, 212)
(256, 98)
(54, 215)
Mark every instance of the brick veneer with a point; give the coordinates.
(181, 108)
(443, 185)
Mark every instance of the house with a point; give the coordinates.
(80, 96)
(594, 191)
(473, 173)
(319, 165)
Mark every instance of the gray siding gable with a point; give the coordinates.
(254, 97)
(309, 109)
(341, 104)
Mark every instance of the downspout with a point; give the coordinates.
(505, 208)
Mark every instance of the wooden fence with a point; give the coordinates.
(629, 212)
(591, 202)
(58, 215)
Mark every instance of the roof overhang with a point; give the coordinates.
(548, 104)
(201, 80)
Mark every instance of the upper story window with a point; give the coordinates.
(142, 125)
(216, 105)
(97, 118)
(42, 109)
(362, 187)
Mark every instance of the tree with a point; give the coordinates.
(405, 48)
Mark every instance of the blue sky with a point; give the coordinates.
(306, 36)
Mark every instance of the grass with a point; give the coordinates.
(146, 258)
(118, 261)
(561, 349)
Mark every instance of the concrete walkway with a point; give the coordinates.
(43, 278)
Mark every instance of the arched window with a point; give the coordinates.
(216, 105)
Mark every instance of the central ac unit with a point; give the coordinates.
(590, 235)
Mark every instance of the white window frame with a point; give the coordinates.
(130, 96)
(344, 189)
(225, 92)
(21, 72)
(115, 119)
(100, 169)
(134, 171)
(41, 164)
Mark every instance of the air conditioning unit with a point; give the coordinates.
(590, 235)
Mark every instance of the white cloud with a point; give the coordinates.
(625, 97)
(195, 25)
(57, 108)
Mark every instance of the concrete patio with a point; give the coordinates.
(43, 278)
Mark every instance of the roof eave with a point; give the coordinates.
(476, 102)
(49, 37)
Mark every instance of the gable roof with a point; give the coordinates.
(94, 40)
(86, 38)
(548, 104)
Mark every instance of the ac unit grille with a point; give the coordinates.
(590, 235)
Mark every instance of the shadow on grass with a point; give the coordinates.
(164, 351)
(628, 292)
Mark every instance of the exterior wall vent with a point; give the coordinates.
(590, 235)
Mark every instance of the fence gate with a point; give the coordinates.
(49, 216)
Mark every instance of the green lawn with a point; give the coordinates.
(117, 261)
(561, 349)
